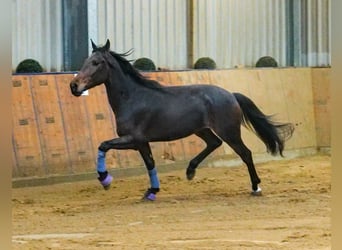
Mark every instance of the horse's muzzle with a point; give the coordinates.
(74, 89)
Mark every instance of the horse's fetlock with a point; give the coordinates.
(193, 164)
(102, 175)
(154, 190)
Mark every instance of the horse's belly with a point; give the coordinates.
(175, 127)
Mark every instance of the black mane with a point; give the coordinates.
(128, 69)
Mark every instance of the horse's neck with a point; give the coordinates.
(119, 90)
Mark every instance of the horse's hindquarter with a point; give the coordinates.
(202, 105)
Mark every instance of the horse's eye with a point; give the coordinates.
(95, 63)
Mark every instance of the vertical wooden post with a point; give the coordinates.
(190, 32)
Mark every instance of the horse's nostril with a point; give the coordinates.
(73, 86)
(74, 89)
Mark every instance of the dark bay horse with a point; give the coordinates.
(147, 111)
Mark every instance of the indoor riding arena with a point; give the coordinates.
(59, 204)
(57, 199)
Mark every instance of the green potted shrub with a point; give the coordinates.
(205, 63)
(266, 61)
(29, 66)
(144, 64)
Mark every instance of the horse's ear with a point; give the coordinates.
(107, 45)
(93, 45)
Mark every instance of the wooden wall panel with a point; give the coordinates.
(26, 144)
(297, 85)
(76, 128)
(161, 77)
(179, 78)
(322, 105)
(51, 132)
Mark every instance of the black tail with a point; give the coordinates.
(271, 133)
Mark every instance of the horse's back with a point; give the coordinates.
(212, 95)
(213, 92)
(213, 101)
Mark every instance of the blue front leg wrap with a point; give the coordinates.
(153, 178)
(101, 161)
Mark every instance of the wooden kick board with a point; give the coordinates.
(26, 141)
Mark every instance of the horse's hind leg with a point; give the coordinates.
(233, 139)
(212, 142)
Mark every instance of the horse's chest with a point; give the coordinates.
(130, 122)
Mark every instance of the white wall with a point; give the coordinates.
(37, 33)
(232, 32)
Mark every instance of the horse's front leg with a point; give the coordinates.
(146, 154)
(124, 142)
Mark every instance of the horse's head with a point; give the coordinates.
(94, 71)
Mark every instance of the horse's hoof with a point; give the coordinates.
(106, 182)
(257, 192)
(190, 173)
(149, 197)
(150, 194)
